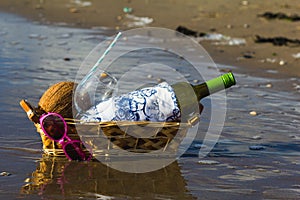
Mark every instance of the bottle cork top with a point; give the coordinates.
(228, 80)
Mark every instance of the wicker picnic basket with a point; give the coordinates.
(105, 137)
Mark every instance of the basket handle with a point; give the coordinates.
(30, 111)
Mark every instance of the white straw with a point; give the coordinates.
(101, 58)
(106, 51)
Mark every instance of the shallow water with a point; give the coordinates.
(33, 56)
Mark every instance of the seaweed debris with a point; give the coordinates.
(277, 41)
(189, 32)
(218, 38)
(280, 15)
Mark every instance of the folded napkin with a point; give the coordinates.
(156, 104)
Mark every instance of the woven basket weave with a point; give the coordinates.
(138, 137)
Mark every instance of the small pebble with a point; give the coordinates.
(160, 80)
(245, 3)
(119, 18)
(74, 10)
(282, 62)
(269, 85)
(5, 174)
(208, 162)
(187, 75)
(34, 36)
(246, 25)
(149, 76)
(253, 113)
(195, 81)
(229, 26)
(256, 137)
(276, 171)
(261, 170)
(256, 147)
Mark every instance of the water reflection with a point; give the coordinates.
(57, 177)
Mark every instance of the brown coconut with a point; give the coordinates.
(58, 98)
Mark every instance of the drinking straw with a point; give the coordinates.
(101, 58)
(106, 51)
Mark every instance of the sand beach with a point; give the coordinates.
(234, 19)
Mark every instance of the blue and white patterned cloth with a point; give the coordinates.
(156, 104)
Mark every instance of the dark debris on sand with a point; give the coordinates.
(189, 32)
(277, 41)
(280, 15)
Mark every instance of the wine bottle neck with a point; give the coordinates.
(220, 83)
(214, 85)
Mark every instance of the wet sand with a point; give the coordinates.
(237, 19)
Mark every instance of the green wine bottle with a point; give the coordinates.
(188, 96)
(159, 104)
